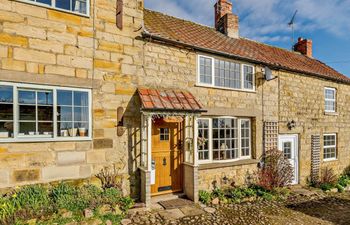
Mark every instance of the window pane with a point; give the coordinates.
(63, 4)
(6, 94)
(45, 128)
(47, 2)
(81, 114)
(27, 128)
(205, 70)
(45, 113)
(27, 112)
(79, 6)
(6, 112)
(26, 97)
(45, 98)
(64, 113)
(64, 98)
(62, 129)
(81, 98)
(6, 129)
(248, 77)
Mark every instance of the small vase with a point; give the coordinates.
(82, 132)
(73, 132)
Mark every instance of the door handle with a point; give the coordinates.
(164, 161)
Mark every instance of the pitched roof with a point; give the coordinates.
(200, 37)
(169, 100)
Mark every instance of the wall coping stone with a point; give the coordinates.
(227, 164)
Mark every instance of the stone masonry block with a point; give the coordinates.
(45, 45)
(60, 172)
(13, 40)
(103, 143)
(4, 178)
(26, 175)
(34, 56)
(96, 156)
(70, 158)
(24, 30)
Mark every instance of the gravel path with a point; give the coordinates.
(297, 210)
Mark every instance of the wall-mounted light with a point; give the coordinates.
(291, 125)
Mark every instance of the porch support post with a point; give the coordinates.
(146, 158)
(191, 159)
(149, 142)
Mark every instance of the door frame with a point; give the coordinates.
(180, 126)
(295, 138)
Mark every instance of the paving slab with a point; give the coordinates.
(171, 214)
(191, 211)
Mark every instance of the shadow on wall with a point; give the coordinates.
(132, 123)
(332, 209)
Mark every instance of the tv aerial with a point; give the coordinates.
(291, 24)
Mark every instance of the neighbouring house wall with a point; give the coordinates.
(45, 46)
(302, 100)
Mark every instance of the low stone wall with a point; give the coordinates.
(237, 174)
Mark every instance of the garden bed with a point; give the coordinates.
(62, 204)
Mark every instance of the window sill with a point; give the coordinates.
(226, 89)
(54, 8)
(330, 160)
(331, 114)
(216, 165)
(35, 140)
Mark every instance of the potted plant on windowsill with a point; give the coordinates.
(73, 132)
(82, 131)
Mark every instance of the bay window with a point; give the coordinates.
(223, 139)
(41, 113)
(225, 74)
(73, 6)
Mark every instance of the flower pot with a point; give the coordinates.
(73, 132)
(82, 132)
(64, 133)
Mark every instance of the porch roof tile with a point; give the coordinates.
(169, 100)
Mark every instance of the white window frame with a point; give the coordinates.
(52, 6)
(239, 119)
(212, 85)
(330, 146)
(54, 137)
(330, 100)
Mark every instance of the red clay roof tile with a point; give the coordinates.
(168, 100)
(203, 37)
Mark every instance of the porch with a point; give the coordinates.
(168, 133)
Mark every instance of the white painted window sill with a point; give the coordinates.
(225, 89)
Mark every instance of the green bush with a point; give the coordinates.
(344, 181)
(218, 193)
(340, 188)
(326, 186)
(204, 197)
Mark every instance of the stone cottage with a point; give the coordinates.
(174, 105)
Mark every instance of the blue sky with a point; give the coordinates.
(326, 22)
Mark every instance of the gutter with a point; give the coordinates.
(147, 34)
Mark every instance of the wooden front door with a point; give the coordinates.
(167, 157)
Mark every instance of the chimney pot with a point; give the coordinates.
(225, 21)
(304, 46)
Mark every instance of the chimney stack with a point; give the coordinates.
(225, 21)
(304, 46)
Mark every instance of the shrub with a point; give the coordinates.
(326, 187)
(218, 193)
(204, 197)
(276, 170)
(109, 178)
(340, 188)
(344, 181)
(328, 177)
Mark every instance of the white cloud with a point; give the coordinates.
(266, 20)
